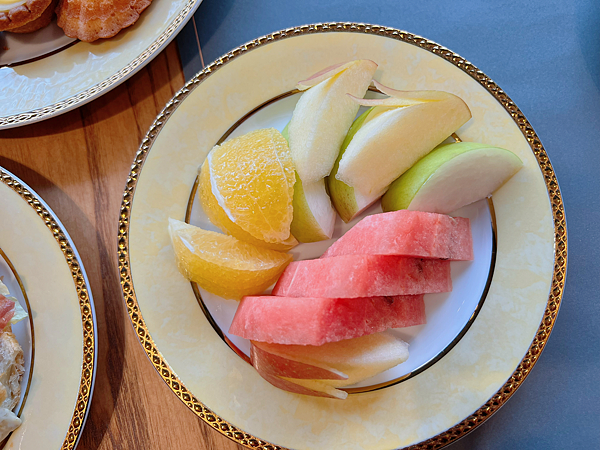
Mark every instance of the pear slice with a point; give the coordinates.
(397, 137)
(314, 217)
(323, 116)
(450, 177)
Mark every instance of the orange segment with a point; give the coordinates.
(252, 177)
(223, 265)
(217, 216)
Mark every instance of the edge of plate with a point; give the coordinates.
(81, 98)
(560, 235)
(86, 304)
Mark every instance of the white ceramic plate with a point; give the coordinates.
(41, 267)
(480, 340)
(54, 83)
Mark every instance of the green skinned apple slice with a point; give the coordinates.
(347, 201)
(323, 116)
(314, 217)
(450, 177)
(397, 137)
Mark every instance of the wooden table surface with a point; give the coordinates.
(78, 163)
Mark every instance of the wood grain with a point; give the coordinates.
(79, 163)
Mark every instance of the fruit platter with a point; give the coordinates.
(361, 235)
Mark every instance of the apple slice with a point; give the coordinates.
(314, 217)
(387, 145)
(358, 359)
(452, 176)
(322, 118)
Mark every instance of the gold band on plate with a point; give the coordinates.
(560, 234)
(87, 320)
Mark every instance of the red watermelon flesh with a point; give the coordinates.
(315, 321)
(408, 233)
(364, 276)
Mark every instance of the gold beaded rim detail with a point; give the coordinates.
(95, 91)
(560, 235)
(85, 305)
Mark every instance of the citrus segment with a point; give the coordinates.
(218, 217)
(252, 177)
(222, 264)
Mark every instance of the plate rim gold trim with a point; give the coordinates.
(558, 215)
(86, 306)
(80, 98)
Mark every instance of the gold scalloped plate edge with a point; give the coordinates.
(95, 91)
(558, 216)
(86, 305)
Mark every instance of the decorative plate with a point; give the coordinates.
(45, 74)
(480, 341)
(41, 267)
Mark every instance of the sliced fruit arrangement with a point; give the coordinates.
(387, 140)
(222, 264)
(326, 324)
(315, 133)
(452, 176)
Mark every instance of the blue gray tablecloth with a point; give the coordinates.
(545, 54)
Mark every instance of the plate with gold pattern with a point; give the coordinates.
(42, 272)
(45, 73)
(480, 342)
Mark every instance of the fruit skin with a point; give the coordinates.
(316, 321)
(407, 233)
(222, 264)
(390, 143)
(358, 359)
(322, 118)
(220, 219)
(363, 276)
(252, 178)
(314, 217)
(452, 176)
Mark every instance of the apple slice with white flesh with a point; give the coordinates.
(323, 116)
(356, 359)
(398, 132)
(314, 217)
(450, 177)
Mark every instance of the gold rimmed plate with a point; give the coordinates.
(41, 267)
(480, 341)
(44, 74)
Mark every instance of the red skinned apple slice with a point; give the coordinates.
(265, 361)
(361, 358)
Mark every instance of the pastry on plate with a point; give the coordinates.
(19, 13)
(38, 23)
(88, 20)
(11, 362)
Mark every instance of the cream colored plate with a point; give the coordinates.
(57, 83)
(60, 342)
(429, 410)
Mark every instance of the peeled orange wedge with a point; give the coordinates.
(219, 217)
(222, 264)
(252, 179)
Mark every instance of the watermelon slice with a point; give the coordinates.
(363, 276)
(408, 233)
(315, 321)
